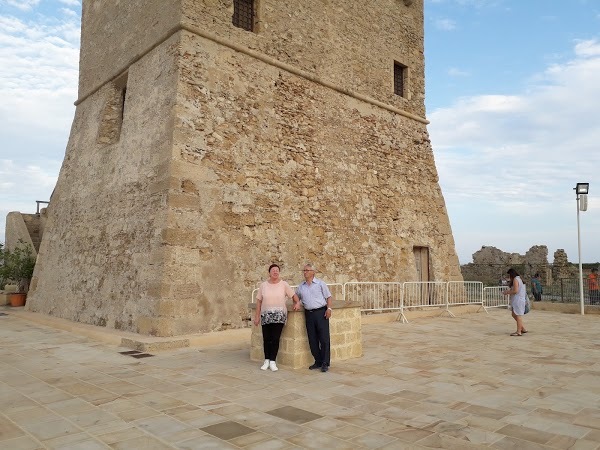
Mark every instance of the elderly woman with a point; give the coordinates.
(518, 300)
(271, 313)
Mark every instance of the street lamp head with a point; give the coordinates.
(582, 188)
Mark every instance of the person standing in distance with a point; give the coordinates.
(536, 287)
(593, 287)
(316, 299)
(518, 299)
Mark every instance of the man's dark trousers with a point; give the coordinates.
(317, 329)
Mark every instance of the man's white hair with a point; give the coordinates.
(311, 265)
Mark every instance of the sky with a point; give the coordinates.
(512, 96)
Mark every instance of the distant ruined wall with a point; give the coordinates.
(561, 267)
(220, 151)
(490, 265)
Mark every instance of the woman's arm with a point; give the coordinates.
(257, 314)
(513, 289)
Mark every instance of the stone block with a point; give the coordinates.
(294, 351)
(4, 298)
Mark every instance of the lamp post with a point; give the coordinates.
(581, 191)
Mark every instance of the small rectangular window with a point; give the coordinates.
(243, 14)
(399, 79)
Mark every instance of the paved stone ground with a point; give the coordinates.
(454, 383)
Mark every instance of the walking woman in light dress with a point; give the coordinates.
(271, 313)
(518, 299)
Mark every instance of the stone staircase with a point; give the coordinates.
(32, 222)
(36, 237)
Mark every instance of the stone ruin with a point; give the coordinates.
(490, 265)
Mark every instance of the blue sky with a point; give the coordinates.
(513, 89)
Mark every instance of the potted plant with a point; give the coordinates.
(18, 267)
(3, 279)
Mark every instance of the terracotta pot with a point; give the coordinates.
(17, 299)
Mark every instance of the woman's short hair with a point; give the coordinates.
(274, 265)
(512, 273)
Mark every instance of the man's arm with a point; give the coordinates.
(329, 309)
(296, 300)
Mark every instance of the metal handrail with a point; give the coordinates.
(37, 209)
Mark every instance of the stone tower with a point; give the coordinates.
(213, 137)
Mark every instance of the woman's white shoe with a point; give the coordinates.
(273, 366)
(265, 365)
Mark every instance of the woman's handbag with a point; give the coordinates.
(527, 305)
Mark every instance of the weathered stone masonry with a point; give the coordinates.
(235, 149)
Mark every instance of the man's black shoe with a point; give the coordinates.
(315, 366)
(324, 368)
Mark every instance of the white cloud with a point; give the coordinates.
(38, 78)
(505, 159)
(69, 12)
(471, 3)
(70, 2)
(22, 184)
(455, 72)
(38, 85)
(479, 3)
(17, 178)
(445, 24)
(588, 48)
(23, 5)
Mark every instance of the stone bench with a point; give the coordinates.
(294, 352)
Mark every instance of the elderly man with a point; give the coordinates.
(316, 299)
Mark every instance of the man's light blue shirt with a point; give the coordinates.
(314, 296)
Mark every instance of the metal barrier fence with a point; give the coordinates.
(398, 296)
(493, 298)
(566, 290)
(417, 294)
(374, 296)
(465, 293)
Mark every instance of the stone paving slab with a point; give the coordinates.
(456, 383)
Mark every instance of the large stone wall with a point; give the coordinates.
(351, 44)
(237, 149)
(114, 33)
(101, 259)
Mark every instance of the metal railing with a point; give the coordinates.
(377, 296)
(423, 294)
(374, 296)
(465, 293)
(493, 298)
(566, 290)
(38, 203)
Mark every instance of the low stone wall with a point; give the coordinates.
(294, 352)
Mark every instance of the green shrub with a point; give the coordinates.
(18, 265)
